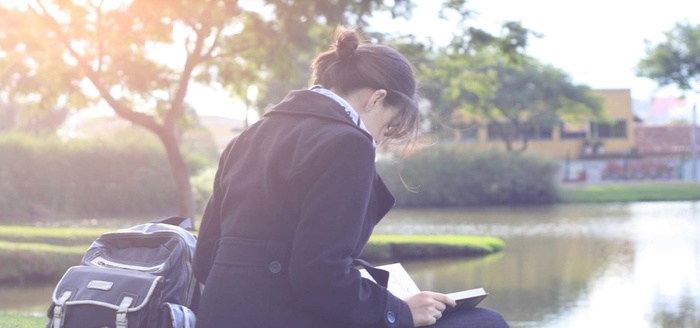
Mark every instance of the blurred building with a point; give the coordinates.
(572, 141)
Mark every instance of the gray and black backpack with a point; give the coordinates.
(135, 277)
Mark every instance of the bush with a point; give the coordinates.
(457, 176)
(202, 184)
(408, 247)
(125, 175)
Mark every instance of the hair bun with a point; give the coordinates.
(346, 43)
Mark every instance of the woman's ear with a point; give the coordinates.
(376, 98)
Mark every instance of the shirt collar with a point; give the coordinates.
(352, 114)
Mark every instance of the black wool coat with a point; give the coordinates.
(295, 199)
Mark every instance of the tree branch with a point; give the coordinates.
(141, 119)
(209, 53)
(100, 40)
(193, 58)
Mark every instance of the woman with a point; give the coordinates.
(296, 197)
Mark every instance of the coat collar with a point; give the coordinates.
(313, 104)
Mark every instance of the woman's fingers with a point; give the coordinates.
(444, 300)
(427, 307)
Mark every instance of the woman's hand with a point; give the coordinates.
(427, 307)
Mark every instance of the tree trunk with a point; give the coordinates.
(506, 139)
(524, 139)
(509, 144)
(180, 174)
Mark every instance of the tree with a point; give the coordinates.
(484, 78)
(140, 56)
(676, 60)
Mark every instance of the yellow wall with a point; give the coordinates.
(617, 104)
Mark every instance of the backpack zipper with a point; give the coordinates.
(101, 261)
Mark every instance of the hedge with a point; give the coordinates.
(458, 176)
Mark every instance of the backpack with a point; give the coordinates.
(135, 277)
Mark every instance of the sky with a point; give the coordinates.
(597, 42)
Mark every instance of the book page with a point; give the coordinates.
(467, 294)
(402, 285)
(400, 282)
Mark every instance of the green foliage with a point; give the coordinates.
(630, 192)
(86, 177)
(403, 247)
(202, 185)
(447, 175)
(489, 79)
(676, 60)
(14, 320)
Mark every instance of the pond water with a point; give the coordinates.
(602, 265)
(619, 265)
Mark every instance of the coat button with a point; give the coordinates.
(275, 267)
(390, 317)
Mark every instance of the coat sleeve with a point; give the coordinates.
(210, 226)
(322, 274)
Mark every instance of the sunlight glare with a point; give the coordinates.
(20, 4)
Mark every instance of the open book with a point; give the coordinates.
(402, 286)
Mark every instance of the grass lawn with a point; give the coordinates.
(15, 320)
(630, 192)
(407, 247)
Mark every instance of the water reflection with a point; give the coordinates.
(622, 265)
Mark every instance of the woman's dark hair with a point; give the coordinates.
(352, 64)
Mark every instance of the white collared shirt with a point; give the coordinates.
(348, 108)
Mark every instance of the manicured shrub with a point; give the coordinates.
(408, 247)
(458, 176)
